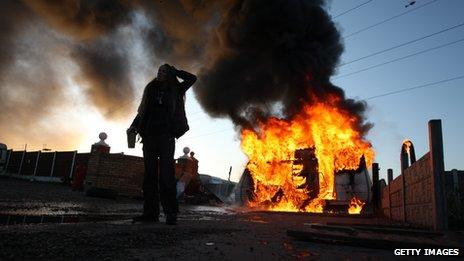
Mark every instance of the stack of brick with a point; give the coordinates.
(120, 173)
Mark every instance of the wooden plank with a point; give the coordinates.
(399, 231)
(355, 229)
(358, 241)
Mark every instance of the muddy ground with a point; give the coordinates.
(101, 229)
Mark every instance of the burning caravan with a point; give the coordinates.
(352, 187)
(355, 183)
(314, 162)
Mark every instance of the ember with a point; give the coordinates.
(324, 135)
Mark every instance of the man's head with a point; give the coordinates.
(163, 72)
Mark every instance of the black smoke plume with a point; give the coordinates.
(269, 52)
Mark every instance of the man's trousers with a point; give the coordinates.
(159, 182)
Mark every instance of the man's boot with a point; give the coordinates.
(145, 218)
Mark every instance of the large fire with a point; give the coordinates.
(323, 126)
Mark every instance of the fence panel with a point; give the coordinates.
(29, 163)
(63, 164)
(44, 166)
(14, 163)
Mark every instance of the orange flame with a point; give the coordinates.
(356, 205)
(323, 125)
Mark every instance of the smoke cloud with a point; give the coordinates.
(106, 72)
(272, 52)
(252, 56)
(91, 27)
(36, 38)
(83, 20)
(29, 83)
(182, 28)
(12, 18)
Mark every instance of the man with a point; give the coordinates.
(160, 119)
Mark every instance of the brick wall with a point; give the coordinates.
(416, 197)
(392, 199)
(418, 192)
(118, 172)
(416, 206)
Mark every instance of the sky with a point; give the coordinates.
(406, 115)
(395, 117)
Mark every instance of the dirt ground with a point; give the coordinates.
(102, 230)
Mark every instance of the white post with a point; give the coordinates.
(72, 164)
(8, 160)
(21, 164)
(53, 164)
(36, 163)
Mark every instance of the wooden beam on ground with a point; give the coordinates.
(355, 229)
(358, 241)
(399, 231)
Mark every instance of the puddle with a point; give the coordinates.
(37, 212)
(212, 210)
(6, 220)
(64, 208)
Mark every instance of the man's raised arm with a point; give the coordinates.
(188, 80)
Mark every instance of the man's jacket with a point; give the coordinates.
(162, 110)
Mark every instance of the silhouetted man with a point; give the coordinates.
(160, 119)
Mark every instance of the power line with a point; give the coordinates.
(388, 19)
(403, 44)
(352, 9)
(398, 59)
(416, 87)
